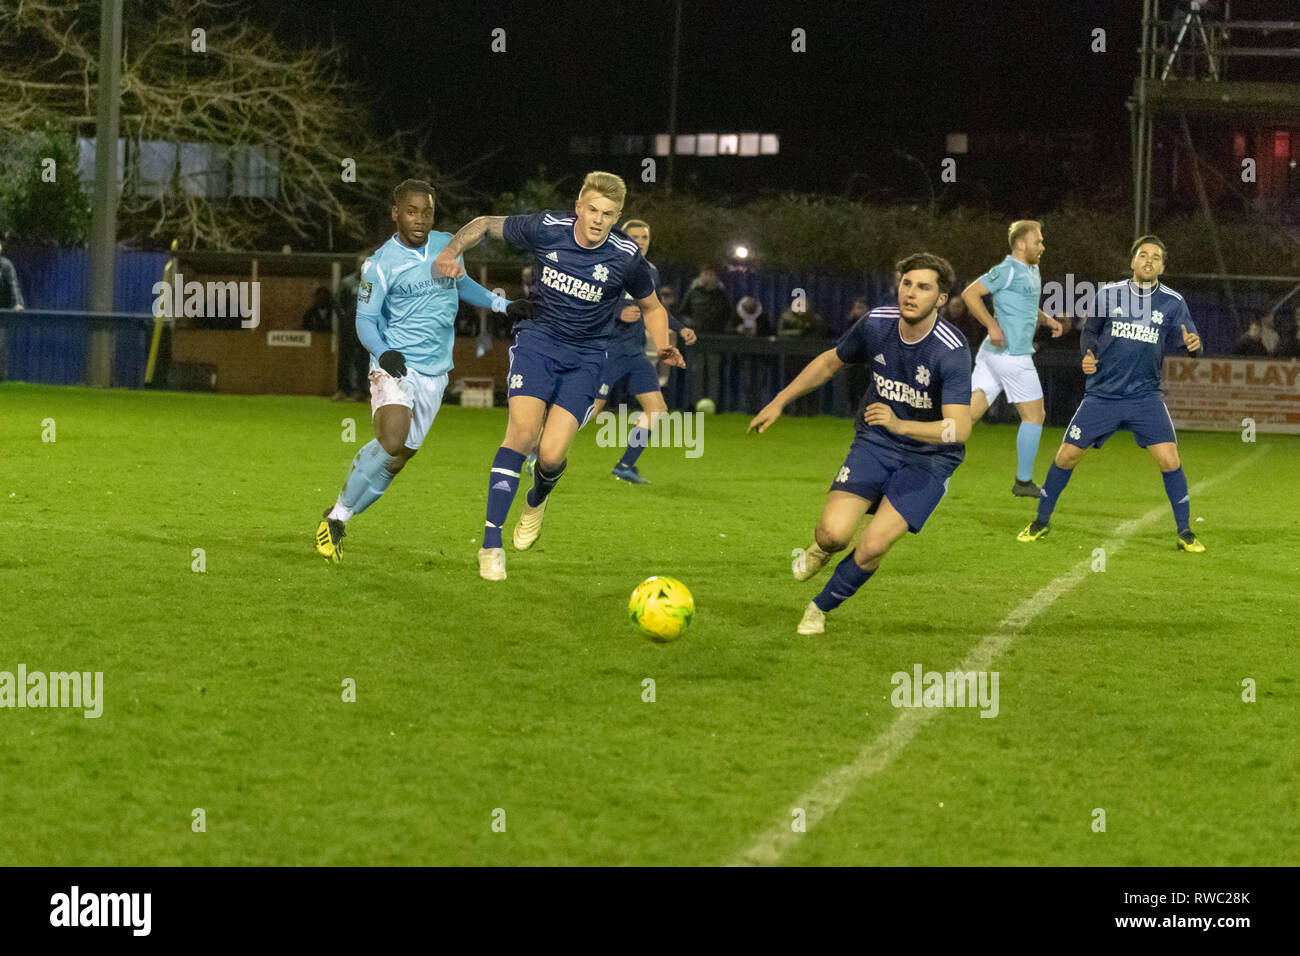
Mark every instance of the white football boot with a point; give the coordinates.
(814, 620)
(492, 564)
(809, 562)
(529, 528)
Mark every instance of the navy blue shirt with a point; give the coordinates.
(577, 289)
(629, 338)
(1133, 330)
(914, 379)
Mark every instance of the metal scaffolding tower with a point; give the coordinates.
(1183, 72)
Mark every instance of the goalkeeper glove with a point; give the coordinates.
(519, 309)
(393, 363)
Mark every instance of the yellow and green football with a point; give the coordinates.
(661, 608)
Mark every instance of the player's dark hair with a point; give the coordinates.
(411, 186)
(1141, 241)
(928, 260)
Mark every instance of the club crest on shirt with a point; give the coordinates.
(1157, 317)
(922, 376)
(363, 291)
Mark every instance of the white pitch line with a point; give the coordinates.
(826, 795)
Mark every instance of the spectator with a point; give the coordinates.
(706, 306)
(320, 317)
(668, 299)
(1267, 333)
(806, 323)
(752, 321)
(860, 308)
(1251, 344)
(1290, 348)
(353, 359)
(501, 324)
(11, 293)
(957, 313)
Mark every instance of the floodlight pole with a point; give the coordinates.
(672, 94)
(103, 222)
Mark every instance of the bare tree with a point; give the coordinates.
(258, 135)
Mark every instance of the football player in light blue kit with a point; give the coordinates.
(910, 434)
(583, 265)
(1005, 360)
(406, 319)
(1134, 324)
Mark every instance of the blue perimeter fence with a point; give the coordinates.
(50, 341)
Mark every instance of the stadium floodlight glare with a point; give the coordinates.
(741, 251)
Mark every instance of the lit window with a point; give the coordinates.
(1282, 144)
(685, 144)
(708, 144)
(728, 144)
(957, 143)
(1239, 144)
(770, 144)
(255, 171)
(156, 164)
(661, 144)
(748, 144)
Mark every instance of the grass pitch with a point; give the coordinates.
(223, 689)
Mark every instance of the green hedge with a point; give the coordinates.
(839, 236)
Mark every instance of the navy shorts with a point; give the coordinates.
(634, 370)
(873, 473)
(556, 373)
(1098, 418)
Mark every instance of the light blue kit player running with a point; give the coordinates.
(582, 266)
(406, 319)
(1005, 360)
(910, 434)
(1134, 323)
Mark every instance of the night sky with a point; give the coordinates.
(877, 75)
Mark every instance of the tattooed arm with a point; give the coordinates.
(469, 235)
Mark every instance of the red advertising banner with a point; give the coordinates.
(1216, 394)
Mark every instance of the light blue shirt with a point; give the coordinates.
(403, 305)
(1016, 288)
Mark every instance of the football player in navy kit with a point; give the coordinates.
(909, 436)
(582, 266)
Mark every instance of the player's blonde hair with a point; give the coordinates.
(607, 184)
(635, 224)
(1021, 228)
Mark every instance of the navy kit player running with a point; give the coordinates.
(582, 264)
(1134, 323)
(406, 318)
(909, 436)
(627, 364)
